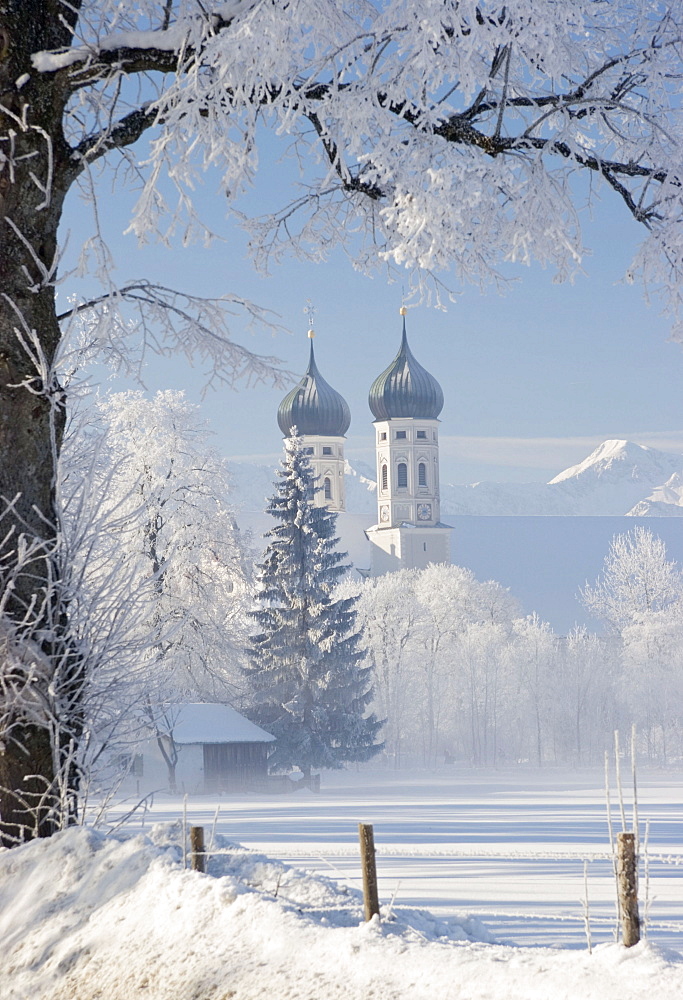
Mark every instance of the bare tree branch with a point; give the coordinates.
(124, 133)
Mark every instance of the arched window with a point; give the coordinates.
(422, 474)
(385, 478)
(402, 475)
(328, 488)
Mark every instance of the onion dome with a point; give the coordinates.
(314, 407)
(405, 388)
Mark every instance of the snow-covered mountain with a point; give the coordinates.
(613, 479)
(664, 501)
(618, 478)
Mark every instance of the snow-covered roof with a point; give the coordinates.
(208, 723)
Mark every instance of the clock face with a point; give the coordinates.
(384, 513)
(424, 512)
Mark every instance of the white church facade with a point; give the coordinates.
(405, 400)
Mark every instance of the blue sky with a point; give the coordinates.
(532, 380)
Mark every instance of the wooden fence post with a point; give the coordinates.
(628, 888)
(367, 856)
(197, 848)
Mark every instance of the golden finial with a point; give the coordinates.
(311, 334)
(403, 311)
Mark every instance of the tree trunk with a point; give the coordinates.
(627, 879)
(27, 785)
(35, 173)
(170, 755)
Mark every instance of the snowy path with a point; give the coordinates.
(436, 834)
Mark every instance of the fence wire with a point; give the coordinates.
(646, 862)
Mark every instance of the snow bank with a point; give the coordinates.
(84, 916)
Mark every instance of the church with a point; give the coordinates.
(405, 401)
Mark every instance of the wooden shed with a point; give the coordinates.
(218, 743)
(215, 749)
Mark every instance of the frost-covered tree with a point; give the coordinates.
(389, 616)
(171, 492)
(652, 681)
(464, 622)
(309, 685)
(437, 132)
(167, 494)
(640, 598)
(586, 705)
(637, 579)
(479, 659)
(534, 649)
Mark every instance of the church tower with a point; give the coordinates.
(321, 417)
(406, 402)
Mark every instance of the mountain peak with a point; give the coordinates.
(620, 459)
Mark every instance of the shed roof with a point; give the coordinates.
(211, 723)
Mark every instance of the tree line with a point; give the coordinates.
(449, 662)
(460, 674)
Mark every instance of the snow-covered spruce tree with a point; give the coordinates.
(309, 686)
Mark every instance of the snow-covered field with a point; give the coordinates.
(433, 832)
(493, 856)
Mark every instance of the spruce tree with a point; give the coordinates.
(308, 684)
